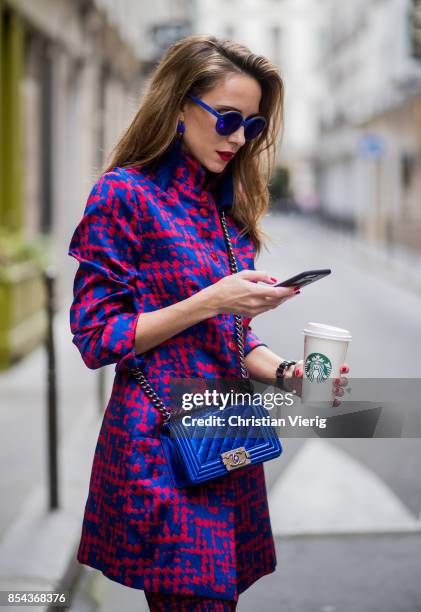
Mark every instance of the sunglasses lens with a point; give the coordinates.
(254, 128)
(229, 123)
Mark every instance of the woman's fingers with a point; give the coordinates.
(256, 276)
(278, 300)
(340, 383)
(298, 369)
(277, 293)
(293, 377)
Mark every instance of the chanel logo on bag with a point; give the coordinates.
(235, 458)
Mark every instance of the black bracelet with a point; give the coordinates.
(280, 370)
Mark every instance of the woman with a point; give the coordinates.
(154, 290)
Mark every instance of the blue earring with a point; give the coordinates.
(181, 128)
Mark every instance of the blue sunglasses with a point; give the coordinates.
(229, 122)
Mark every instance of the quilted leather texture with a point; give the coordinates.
(194, 452)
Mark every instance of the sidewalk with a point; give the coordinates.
(38, 546)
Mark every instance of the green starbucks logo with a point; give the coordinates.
(318, 367)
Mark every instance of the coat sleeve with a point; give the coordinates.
(103, 314)
(251, 341)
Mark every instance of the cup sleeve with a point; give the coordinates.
(104, 312)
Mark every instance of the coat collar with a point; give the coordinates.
(183, 171)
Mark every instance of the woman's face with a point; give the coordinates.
(236, 92)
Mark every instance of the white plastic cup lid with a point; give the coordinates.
(321, 330)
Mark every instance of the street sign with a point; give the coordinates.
(371, 145)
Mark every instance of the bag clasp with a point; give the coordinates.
(235, 458)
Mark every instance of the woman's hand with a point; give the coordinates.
(293, 380)
(240, 294)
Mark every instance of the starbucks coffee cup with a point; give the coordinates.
(325, 350)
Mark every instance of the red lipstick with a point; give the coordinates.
(225, 155)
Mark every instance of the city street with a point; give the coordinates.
(118, 120)
(346, 513)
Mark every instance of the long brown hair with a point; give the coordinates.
(196, 64)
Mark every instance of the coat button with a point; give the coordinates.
(214, 256)
(231, 345)
(204, 212)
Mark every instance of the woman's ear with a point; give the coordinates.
(181, 113)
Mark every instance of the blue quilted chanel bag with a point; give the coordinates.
(201, 453)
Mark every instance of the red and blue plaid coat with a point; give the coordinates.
(148, 238)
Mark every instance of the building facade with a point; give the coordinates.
(76, 73)
(369, 162)
(71, 78)
(288, 33)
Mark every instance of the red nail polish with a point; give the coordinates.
(345, 369)
(298, 373)
(297, 291)
(273, 279)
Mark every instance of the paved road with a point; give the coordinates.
(385, 321)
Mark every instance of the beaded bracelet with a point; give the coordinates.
(280, 371)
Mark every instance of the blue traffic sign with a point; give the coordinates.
(372, 145)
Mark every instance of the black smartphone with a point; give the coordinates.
(304, 278)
